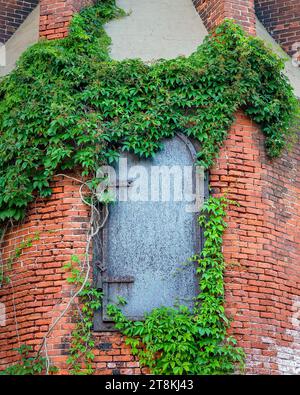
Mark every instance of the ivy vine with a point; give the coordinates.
(180, 341)
(68, 105)
(29, 365)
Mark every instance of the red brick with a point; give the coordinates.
(56, 16)
(282, 20)
(213, 12)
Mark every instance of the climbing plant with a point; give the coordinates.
(15, 255)
(29, 365)
(68, 105)
(180, 341)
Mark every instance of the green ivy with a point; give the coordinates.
(28, 366)
(180, 341)
(68, 105)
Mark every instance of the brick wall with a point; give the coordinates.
(213, 12)
(282, 19)
(12, 15)
(38, 291)
(261, 248)
(56, 16)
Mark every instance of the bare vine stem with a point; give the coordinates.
(92, 232)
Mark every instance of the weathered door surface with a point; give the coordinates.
(146, 244)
